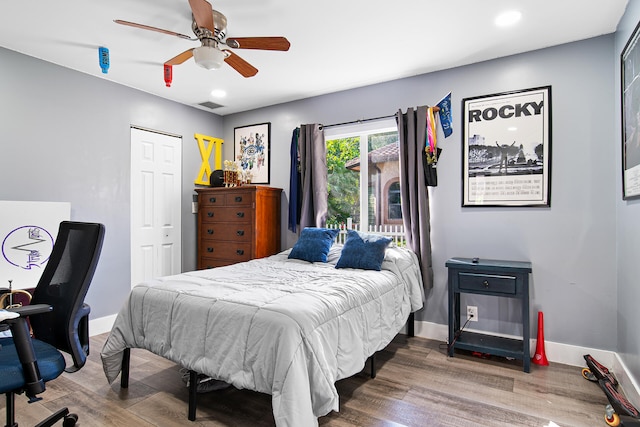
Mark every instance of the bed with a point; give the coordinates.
(278, 325)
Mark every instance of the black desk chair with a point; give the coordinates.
(59, 320)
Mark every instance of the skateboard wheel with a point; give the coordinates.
(613, 420)
(588, 375)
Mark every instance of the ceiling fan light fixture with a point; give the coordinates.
(208, 57)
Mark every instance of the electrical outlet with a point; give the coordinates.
(194, 207)
(472, 313)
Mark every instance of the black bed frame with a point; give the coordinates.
(193, 375)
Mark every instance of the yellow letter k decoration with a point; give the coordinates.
(205, 153)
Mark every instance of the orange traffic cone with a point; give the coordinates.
(540, 358)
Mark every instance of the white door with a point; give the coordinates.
(156, 170)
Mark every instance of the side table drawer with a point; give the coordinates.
(487, 283)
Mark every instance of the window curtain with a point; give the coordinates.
(412, 132)
(313, 176)
(295, 184)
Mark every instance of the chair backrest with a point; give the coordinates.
(64, 284)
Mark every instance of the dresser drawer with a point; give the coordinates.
(227, 198)
(223, 214)
(487, 283)
(206, 262)
(237, 231)
(238, 198)
(237, 251)
(217, 199)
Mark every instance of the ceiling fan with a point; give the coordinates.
(210, 28)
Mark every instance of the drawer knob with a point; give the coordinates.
(212, 199)
(240, 251)
(238, 199)
(209, 249)
(210, 214)
(210, 231)
(486, 284)
(240, 232)
(240, 214)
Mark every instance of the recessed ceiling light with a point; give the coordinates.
(508, 18)
(512, 129)
(218, 93)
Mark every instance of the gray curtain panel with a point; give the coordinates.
(412, 129)
(313, 171)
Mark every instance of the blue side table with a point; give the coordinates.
(498, 278)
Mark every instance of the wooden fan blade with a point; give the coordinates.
(262, 43)
(147, 27)
(239, 64)
(179, 59)
(203, 14)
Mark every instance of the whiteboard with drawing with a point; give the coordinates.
(27, 233)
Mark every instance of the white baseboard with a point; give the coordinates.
(629, 385)
(556, 352)
(101, 325)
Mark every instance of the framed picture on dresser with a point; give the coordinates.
(252, 151)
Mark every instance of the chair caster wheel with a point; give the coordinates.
(70, 420)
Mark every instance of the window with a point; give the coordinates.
(393, 198)
(362, 160)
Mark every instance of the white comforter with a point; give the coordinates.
(284, 327)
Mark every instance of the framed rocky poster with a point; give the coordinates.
(630, 69)
(507, 149)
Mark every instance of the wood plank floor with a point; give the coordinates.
(416, 385)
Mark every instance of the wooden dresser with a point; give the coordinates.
(237, 224)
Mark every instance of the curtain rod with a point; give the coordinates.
(357, 121)
(435, 110)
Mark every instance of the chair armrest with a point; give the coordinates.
(7, 315)
(30, 310)
(34, 384)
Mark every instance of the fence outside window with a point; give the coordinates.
(395, 232)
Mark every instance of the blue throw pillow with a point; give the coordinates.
(364, 251)
(314, 244)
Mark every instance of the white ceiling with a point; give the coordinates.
(335, 44)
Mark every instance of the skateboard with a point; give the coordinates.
(619, 411)
(597, 371)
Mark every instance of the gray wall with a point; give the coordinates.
(572, 245)
(628, 231)
(64, 136)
